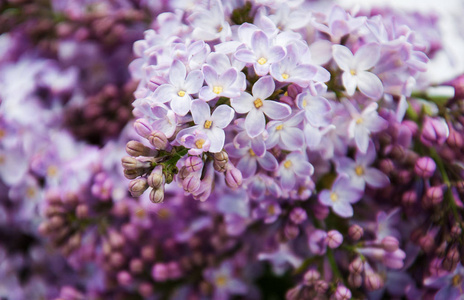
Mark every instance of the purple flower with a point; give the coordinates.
(286, 133)
(224, 281)
(197, 142)
(257, 106)
(249, 160)
(362, 124)
(294, 166)
(180, 88)
(211, 124)
(317, 242)
(290, 69)
(451, 285)
(219, 85)
(341, 196)
(262, 53)
(355, 68)
(359, 171)
(268, 210)
(281, 258)
(242, 139)
(315, 108)
(210, 24)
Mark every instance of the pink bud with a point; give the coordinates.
(124, 278)
(146, 289)
(136, 266)
(342, 293)
(334, 239)
(156, 178)
(373, 281)
(138, 186)
(143, 128)
(193, 163)
(159, 272)
(433, 196)
(158, 140)
(355, 280)
(355, 232)
(409, 198)
(298, 215)
(191, 183)
(425, 167)
(390, 244)
(435, 131)
(356, 266)
(311, 276)
(157, 195)
(233, 177)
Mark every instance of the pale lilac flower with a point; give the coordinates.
(249, 161)
(210, 24)
(224, 281)
(242, 139)
(269, 211)
(315, 108)
(286, 133)
(359, 170)
(262, 53)
(221, 63)
(355, 69)
(290, 68)
(257, 106)
(281, 259)
(261, 185)
(167, 120)
(219, 85)
(294, 166)
(450, 286)
(362, 124)
(211, 124)
(180, 88)
(317, 242)
(197, 142)
(341, 196)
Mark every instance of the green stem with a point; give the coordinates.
(333, 264)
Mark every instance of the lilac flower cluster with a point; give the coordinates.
(327, 164)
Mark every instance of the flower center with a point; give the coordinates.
(2, 159)
(271, 210)
(359, 121)
(287, 164)
(304, 103)
(252, 153)
(52, 171)
(262, 61)
(199, 143)
(258, 103)
(30, 192)
(280, 127)
(359, 170)
(333, 197)
(217, 89)
(285, 75)
(181, 93)
(456, 280)
(2, 134)
(219, 28)
(353, 72)
(208, 124)
(221, 280)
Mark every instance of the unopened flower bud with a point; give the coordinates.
(143, 128)
(136, 266)
(435, 131)
(355, 280)
(334, 239)
(183, 173)
(311, 276)
(373, 281)
(193, 163)
(298, 215)
(342, 293)
(145, 289)
(291, 231)
(390, 244)
(409, 198)
(321, 286)
(138, 186)
(433, 196)
(233, 177)
(220, 161)
(132, 174)
(455, 139)
(116, 240)
(355, 232)
(452, 259)
(174, 270)
(320, 211)
(427, 243)
(158, 139)
(456, 231)
(132, 163)
(148, 253)
(356, 266)
(124, 278)
(425, 167)
(386, 166)
(159, 272)
(157, 195)
(191, 183)
(134, 148)
(156, 178)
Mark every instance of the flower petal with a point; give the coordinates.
(181, 105)
(361, 137)
(255, 123)
(194, 82)
(376, 178)
(268, 162)
(211, 75)
(263, 88)
(258, 146)
(243, 103)
(303, 169)
(227, 78)
(164, 93)
(200, 111)
(177, 73)
(343, 57)
(217, 138)
(324, 198)
(275, 54)
(349, 82)
(245, 55)
(259, 43)
(369, 84)
(292, 138)
(276, 110)
(367, 56)
(343, 209)
(247, 165)
(222, 116)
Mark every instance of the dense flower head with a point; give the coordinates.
(326, 162)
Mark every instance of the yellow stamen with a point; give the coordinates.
(2, 134)
(252, 153)
(333, 197)
(262, 61)
(199, 144)
(359, 170)
(271, 209)
(221, 280)
(2, 159)
(164, 214)
(280, 127)
(353, 72)
(219, 29)
(30, 192)
(456, 280)
(359, 121)
(208, 124)
(217, 89)
(304, 103)
(140, 213)
(52, 171)
(285, 75)
(287, 164)
(258, 103)
(181, 93)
